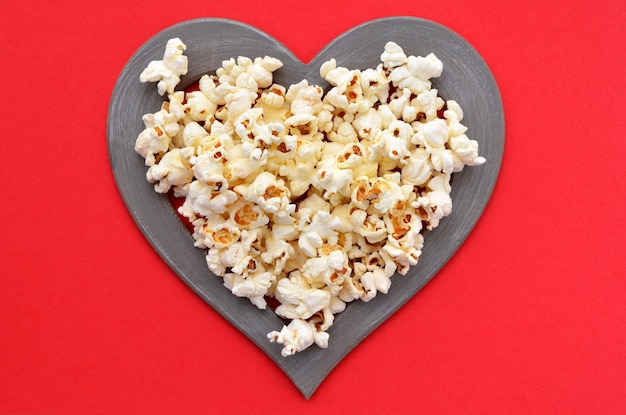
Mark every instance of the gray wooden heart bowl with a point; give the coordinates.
(466, 79)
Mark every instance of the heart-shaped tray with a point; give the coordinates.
(466, 79)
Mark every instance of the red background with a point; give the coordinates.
(528, 317)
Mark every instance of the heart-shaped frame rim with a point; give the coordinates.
(466, 79)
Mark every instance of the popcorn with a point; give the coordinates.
(373, 282)
(167, 72)
(192, 135)
(252, 285)
(239, 166)
(219, 259)
(239, 101)
(435, 203)
(160, 128)
(317, 229)
(298, 336)
(466, 150)
(266, 191)
(199, 106)
(172, 170)
(327, 270)
(208, 198)
(430, 103)
(305, 98)
(331, 178)
(435, 132)
(209, 166)
(313, 198)
(392, 142)
(417, 169)
(425, 67)
(279, 251)
(262, 70)
(152, 143)
(299, 170)
(299, 300)
(393, 56)
(272, 101)
(347, 93)
(302, 124)
(375, 84)
(247, 215)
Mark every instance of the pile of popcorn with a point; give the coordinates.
(313, 198)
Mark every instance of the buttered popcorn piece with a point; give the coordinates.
(313, 198)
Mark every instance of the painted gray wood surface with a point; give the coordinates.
(466, 78)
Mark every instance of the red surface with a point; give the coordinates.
(528, 317)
